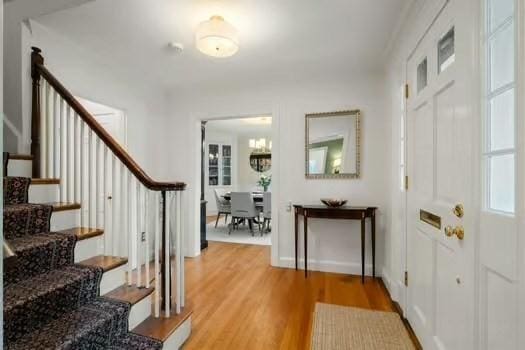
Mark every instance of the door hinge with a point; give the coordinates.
(406, 278)
(406, 91)
(406, 183)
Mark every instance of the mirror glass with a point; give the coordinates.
(332, 145)
(261, 161)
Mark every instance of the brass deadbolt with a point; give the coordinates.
(458, 210)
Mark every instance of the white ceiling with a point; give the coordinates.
(279, 39)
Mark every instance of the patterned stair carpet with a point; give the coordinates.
(50, 302)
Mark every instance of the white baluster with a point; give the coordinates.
(70, 146)
(146, 233)
(90, 179)
(83, 177)
(167, 261)
(177, 253)
(139, 234)
(129, 225)
(157, 257)
(114, 219)
(50, 133)
(122, 211)
(180, 227)
(78, 158)
(108, 201)
(63, 150)
(56, 137)
(99, 159)
(43, 127)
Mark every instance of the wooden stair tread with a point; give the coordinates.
(161, 328)
(130, 294)
(83, 233)
(61, 206)
(45, 181)
(21, 156)
(106, 262)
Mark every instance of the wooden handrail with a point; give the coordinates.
(38, 70)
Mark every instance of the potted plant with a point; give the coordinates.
(265, 181)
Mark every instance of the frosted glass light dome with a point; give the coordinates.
(216, 37)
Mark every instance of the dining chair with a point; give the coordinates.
(223, 206)
(267, 211)
(243, 208)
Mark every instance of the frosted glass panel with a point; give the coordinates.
(422, 75)
(501, 48)
(499, 11)
(502, 121)
(501, 182)
(446, 51)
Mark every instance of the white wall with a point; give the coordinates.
(16, 46)
(84, 75)
(333, 245)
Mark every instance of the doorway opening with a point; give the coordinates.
(236, 180)
(111, 119)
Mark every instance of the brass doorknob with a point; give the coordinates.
(458, 210)
(458, 231)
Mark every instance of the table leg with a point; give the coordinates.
(363, 250)
(296, 237)
(305, 245)
(373, 219)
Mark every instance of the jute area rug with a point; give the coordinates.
(339, 327)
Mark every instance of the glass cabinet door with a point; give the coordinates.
(226, 165)
(213, 165)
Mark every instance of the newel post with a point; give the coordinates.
(36, 59)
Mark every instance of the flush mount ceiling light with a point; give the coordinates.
(217, 38)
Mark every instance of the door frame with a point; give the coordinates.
(259, 108)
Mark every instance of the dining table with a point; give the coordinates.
(257, 197)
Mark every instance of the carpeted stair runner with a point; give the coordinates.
(50, 302)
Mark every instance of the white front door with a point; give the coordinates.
(440, 165)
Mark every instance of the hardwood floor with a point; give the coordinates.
(241, 302)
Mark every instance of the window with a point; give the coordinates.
(499, 123)
(446, 51)
(422, 75)
(219, 164)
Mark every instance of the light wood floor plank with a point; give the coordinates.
(241, 302)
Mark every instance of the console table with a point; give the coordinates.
(345, 213)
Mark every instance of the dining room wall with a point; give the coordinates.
(333, 245)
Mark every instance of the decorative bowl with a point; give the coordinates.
(333, 203)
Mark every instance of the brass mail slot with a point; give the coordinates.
(429, 218)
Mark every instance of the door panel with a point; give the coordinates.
(440, 267)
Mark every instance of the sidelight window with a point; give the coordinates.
(500, 106)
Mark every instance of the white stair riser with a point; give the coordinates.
(140, 311)
(43, 193)
(181, 334)
(88, 248)
(113, 279)
(62, 220)
(18, 167)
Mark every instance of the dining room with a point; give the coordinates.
(237, 172)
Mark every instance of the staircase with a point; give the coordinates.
(96, 244)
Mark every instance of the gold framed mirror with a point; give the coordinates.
(332, 145)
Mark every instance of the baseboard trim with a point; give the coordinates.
(399, 311)
(349, 268)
